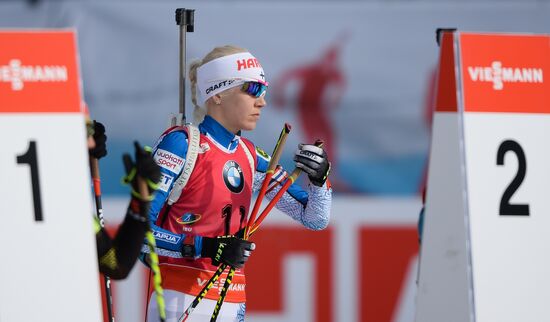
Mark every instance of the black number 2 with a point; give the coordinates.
(507, 209)
(30, 158)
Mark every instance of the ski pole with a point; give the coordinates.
(277, 151)
(276, 156)
(253, 227)
(276, 181)
(290, 180)
(94, 166)
(221, 299)
(153, 257)
(203, 292)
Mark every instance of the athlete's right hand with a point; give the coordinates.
(229, 250)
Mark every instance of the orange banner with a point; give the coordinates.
(505, 73)
(39, 72)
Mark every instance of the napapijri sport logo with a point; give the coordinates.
(233, 176)
(498, 75)
(17, 74)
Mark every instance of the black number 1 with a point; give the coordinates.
(226, 213)
(507, 209)
(30, 158)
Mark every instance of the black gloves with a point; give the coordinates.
(229, 250)
(100, 149)
(314, 161)
(146, 168)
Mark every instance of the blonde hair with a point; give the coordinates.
(200, 111)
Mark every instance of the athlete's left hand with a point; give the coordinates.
(230, 250)
(314, 161)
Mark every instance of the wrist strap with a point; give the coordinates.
(192, 247)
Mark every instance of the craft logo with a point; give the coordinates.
(219, 85)
(233, 176)
(188, 219)
(498, 75)
(17, 74)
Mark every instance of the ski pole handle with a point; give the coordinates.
(276, 155)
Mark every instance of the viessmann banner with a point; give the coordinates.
(498, 77)
(487, 197)
(38, 72)
(45, 190)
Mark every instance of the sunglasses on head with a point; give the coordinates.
(255, 89)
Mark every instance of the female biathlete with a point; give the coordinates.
(201, 226)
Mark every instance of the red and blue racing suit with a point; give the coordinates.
(216, 201)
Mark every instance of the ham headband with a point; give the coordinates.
(226, 72)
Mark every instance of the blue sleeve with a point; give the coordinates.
(170, 155)
(298, 193)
